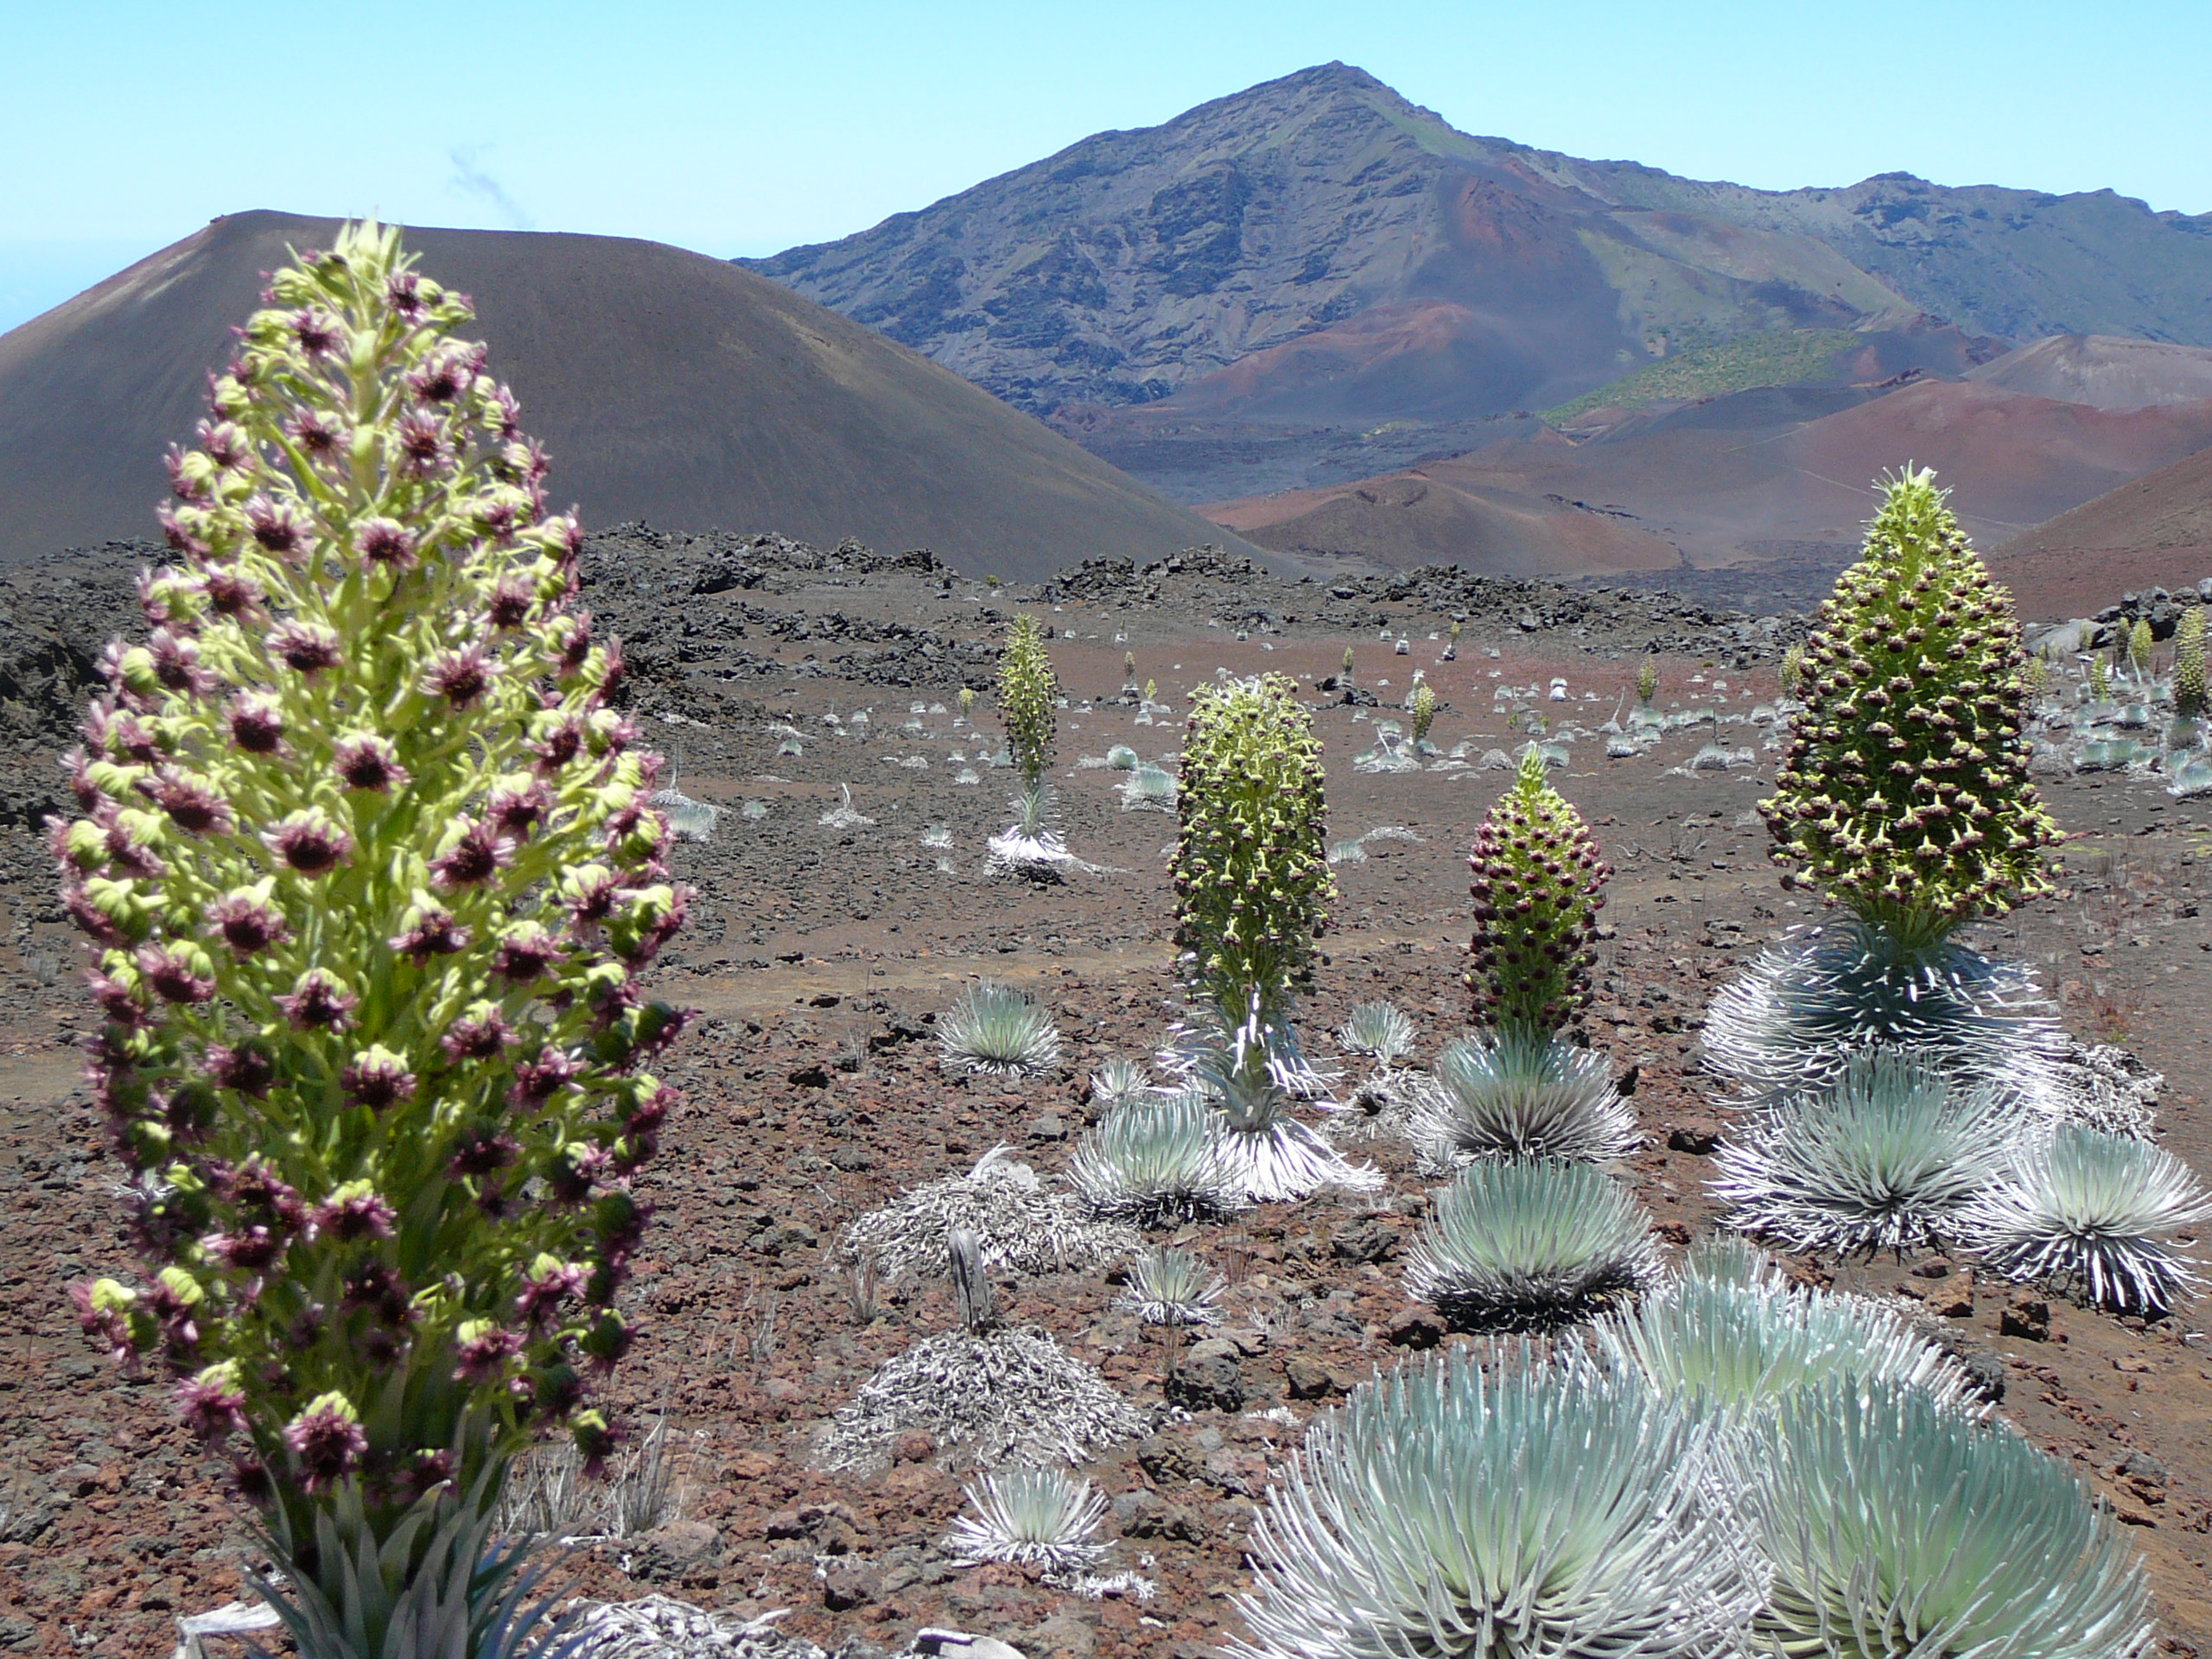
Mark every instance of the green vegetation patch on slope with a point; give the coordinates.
(1788, 358)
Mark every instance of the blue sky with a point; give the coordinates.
(742, 128)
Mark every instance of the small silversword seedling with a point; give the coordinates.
(1905, 795)
(1030, 1516)
(370, 869)
(994, 1030)
(1537, 881)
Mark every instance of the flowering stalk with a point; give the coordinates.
(1537, 890)
(1251, 870)
(369, 867)
(1905, 791)
(2190, 700)
(1027, 692)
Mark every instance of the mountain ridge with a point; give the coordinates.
(1134, 262)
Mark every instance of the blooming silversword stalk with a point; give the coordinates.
(1251, 871)
(1906, 794)
(1537, 889)
(1028, 690)
(367, 859)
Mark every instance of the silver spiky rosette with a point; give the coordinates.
(1202, 1040)
(1793, 1019)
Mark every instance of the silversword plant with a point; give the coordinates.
(368, 861)
(1538, 881)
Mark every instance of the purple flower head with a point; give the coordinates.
(430, 931)
(432, 1469)
(164, 599)
(506, 413)
(281, 525)
(477, 1152)
(460, 677)
(373, 1285)
(248, 921)
(473, 856)
(558, 747)
(173, 974)
(129, 855)
(191, 474)
(190, 1108)
(233, 593)
(402, 292)
(590, 893)
(245, 1068)
(116, 999)
(518, 812)
(577, 1168)
(102, 1312)
(512, 599)
(261, 1195)
(377, 1079)
(318, 436)
(177, 662)
(305, 647)
(319, 1002)
(526, 950)
(537, 1081)
(385, 542)
(211, 1404)
(555, 1390)
(192, 803)
(576, 643)
(250, 1248)
(482, 1351)
(250, 1477)
(182, 531)
(496, 517)
(481, 1035)
(224, 442)
(550, 1282)
(423, 444)
(364, 761)
(446, 374)
(597, 1440)
(317, 332)
(117, 667)
(87, 793)
(89, 917)
(257, 726)
(308, 842)
(326, 1441)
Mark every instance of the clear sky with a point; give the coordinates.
(745, 128)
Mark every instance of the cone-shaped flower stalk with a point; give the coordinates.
(1027, 692)
(1537, 881)
(1251, 870)
(1422, 706)
(1906, 794)
(2192, 701)
(369, 867)
(2139, 646)
(1647, 682)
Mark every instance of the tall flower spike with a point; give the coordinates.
(1537, 881)
(1251, 870)
(1904, 795)
(368, 861)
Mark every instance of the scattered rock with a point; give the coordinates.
(847, 1585)
(1698, 1135)
(1209, 1377)
(2025, 1317)
(1417, 1327)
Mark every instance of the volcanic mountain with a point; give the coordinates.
(667, 386)
(1314, 290)
(1355, 256)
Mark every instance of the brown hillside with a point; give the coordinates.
(2152, 533)
(668, 387)
(1734, 481)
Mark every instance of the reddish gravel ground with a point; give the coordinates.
(819, 959)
